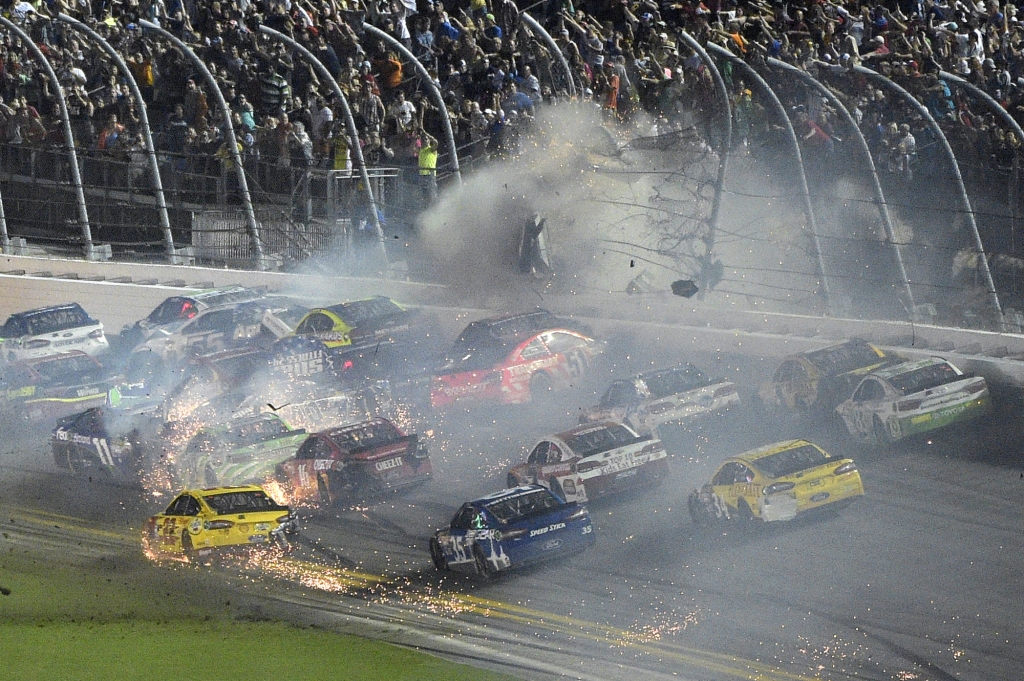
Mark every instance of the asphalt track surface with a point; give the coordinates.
(918, 581)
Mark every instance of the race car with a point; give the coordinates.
(914, 397)
(199, 521)
(106, 442)
(503, 326)
(510, 529)
(813, 383)
(655, 398)
(50, 330)
(177, 309)
(243, 450)
(516, 368)
(43, 389)
(355, 461)
(257, 323)
(775, 482)
(356, 322)
(593, 460)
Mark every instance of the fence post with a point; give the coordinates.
(76, 175)
(147, 135)
(229, 130)
(350, 124)
(791, 134)
(951, 157)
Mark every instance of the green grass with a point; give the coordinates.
(130, 620)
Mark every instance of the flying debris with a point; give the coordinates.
(685, 288)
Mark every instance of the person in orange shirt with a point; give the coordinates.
(611, 102)
(391, 71)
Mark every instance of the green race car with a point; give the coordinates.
(242, 451)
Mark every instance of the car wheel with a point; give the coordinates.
(186, 543)
(511, 481)
(743, 512)
(882, 436)
(698, 512)
(483, 568)
(437, 555)
(556, 489)
(323, 490)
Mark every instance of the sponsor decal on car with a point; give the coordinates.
(544, 530)
(390, 463)
(820, 496)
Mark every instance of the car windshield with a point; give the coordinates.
(675, 381)
(480, 332)
(791, 461)
(56, 319)
(359, 312)
(525, 505)
(366, 436)
(254, 432)
(67, 369)
(600, 439)
(249, 501)
(839, 359)
(483, 355)
(926, 377)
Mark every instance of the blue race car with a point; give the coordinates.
(509, 529)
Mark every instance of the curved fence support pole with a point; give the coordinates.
(883, 208)
(76, 175)
(229, 131)
(350, 125)
(435, 93)
(965, 200)
(5, 238)
(147, 135)
(723, 157)
(784, 117)
(993, 106)
(553, 46)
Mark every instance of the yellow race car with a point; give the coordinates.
(816, 382)
(354, 323)
(198, 521)
(776, 482)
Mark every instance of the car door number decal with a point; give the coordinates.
(103, 450)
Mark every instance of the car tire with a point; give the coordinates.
(556, 489)
(698, 512)
(881, 433)
(437, 555)
(323, 489)
(483, 568)
(511, 481)
(743, 512)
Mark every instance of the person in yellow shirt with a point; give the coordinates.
(428, 166)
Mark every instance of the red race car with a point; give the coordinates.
(593, 460)
(511, 368)
(354, 462)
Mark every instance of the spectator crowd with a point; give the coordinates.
(494, 73)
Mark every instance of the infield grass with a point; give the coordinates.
(127, 620)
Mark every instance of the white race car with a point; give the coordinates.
(674, 395)
(910, 398)
(49, 331)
